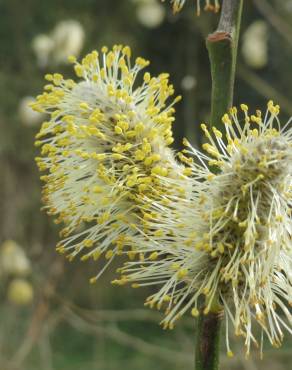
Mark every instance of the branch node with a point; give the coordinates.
(219, 36)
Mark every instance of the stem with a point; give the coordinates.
(222, 47)
(208, 341)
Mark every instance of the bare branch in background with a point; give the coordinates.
(284, 28)
(114, 333)
(264, 88)
(120, 315)
(39, 316)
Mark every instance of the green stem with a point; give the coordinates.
(208, 341)
(222, 47)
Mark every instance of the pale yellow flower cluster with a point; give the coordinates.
(232, 242)
(211, 227)
(105, 150)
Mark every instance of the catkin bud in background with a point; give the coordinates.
(255, 44)
(150, 13)
(20, 292)
(13, 260)
(28, 117)
(188, 82)
(42, 46)
(68, 37)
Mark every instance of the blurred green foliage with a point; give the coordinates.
(71, 324)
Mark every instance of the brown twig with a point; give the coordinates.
(128, 340)
(39, 316)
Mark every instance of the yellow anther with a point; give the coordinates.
(211, 150)
(175, 266)
(96, 255)
(147, 77)
(169, 140)
(182, 273)
(161, 171)
(210, 176)
(49, 77)
(142, 188)
(256, 119)
(71, 59)
(217, 133)
(244, 107)
(109, 254)
(88, 243)
(255, 132)
(78, 70)
(226, 120)
(118, 130)
(139, 128)
(205, 129)
(140, 155)
(141, 62)
(127, 51)
(186, 142)
(132, 254)
(84, 106)
(187, 171)
(97, 189)
(104, 49)
(221, 248)
(195, 312)
(93, 280)
(233, 110)
(103, 218)
(158, 233)
(153, 256)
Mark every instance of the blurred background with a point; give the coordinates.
(51, 318)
